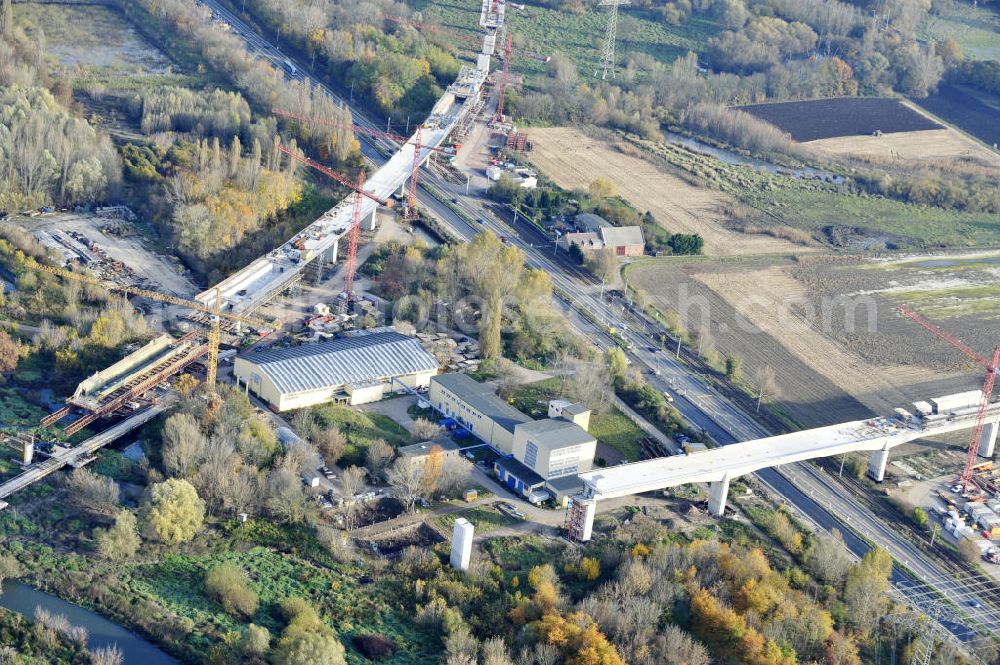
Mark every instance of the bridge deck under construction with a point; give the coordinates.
(119, 389)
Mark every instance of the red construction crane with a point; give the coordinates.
(350, 262)
(505, 77)
(991, 366)
(418, 148)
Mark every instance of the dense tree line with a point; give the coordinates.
(767, 49)
(171, 109)
(487, 287)
(217, 196)
(394, 65)
(981, 74)
(264, 85)
(642, 597)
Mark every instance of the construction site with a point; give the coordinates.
(293, 351)
(135, 386)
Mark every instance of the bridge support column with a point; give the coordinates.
(368, 221)
(330, 255)
(717, 492)
(988, 440)
(877, 464)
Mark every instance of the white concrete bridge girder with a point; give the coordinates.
(877, 463)
(988, 439)
(717, 491)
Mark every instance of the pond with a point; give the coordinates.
(23, 599)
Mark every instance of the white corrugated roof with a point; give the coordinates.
(343, 361)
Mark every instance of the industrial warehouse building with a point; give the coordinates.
(542, 457)
(350, 370)
(478, 408)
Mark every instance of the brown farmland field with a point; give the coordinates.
(911, 148)
(810, 120)
(572, 159)
(795, 317)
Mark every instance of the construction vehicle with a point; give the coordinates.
(215, 313)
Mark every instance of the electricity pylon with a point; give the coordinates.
(608, 57)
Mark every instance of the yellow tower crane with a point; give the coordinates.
(215, 312)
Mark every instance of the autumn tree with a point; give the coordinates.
(866, 588)
(186, 384)
(493, 269)
(331, 444)
(173, 511)
(600, 190)
(603, 263)
(425, 430)
(184, 445)
(430, 474)
(121, 541)
(92, 492)
(10, 352)
(377, 456)
(767, 385)
(406, 478)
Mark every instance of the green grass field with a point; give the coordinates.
(975, 28)
(361, 429)
(813, 205)
(543, 31)
(486, 519)
(612, 428)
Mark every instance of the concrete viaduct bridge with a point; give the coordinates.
(268, 275)
(719, 466)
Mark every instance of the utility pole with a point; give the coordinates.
(608, 55)
(678, 347)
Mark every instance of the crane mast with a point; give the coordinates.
(991, 365)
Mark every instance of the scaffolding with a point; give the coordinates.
(122, 393)
(580, 519)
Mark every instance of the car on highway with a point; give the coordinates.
(454, 201)
(975, 603)
(652, 349)
(480, 220)
(667, 396)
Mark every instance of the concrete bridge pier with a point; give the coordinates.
(330, 255)
(368, 221)
(717, 491)
(877, 464)
(988, 439)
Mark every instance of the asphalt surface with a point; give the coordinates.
(973, 604)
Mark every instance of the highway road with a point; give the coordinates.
(819, 498)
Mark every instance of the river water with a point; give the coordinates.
(730, 157)
(21, 598)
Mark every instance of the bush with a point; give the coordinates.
(374, 647)
(228, 584)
